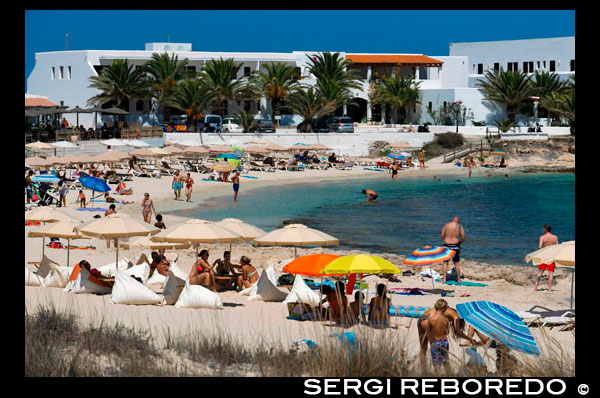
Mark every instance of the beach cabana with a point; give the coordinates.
(61, 229)
(296, 235)
(562, 255)
(428, 255)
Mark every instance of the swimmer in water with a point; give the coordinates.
(371, 195)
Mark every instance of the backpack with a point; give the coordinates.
(286, 279)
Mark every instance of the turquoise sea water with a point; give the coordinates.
(503, 219)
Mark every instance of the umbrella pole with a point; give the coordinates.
(117, 260)
(321, 298)
(431, 272)
(68, 250)
(572, 285)
(360, 302)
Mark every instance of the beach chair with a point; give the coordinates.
(163, 170)
(259, 167)
(139, 172)
(548, 317)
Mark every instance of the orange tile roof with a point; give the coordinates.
(39, 102)
(392, 59)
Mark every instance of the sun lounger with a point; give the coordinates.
(548, 317)
(139, 172)
(259, 167)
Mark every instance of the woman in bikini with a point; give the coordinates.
(202, 273)
(338, 303)
(147, 208)
(249, 274)
(188, 186)
(379, 308)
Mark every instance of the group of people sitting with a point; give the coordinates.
(470, 162)
(239, 276)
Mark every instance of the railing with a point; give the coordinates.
(458, 153)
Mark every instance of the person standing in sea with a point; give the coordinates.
(453, 235)
(235, 179)
(394, 171)
(547, 239)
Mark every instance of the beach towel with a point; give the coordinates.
(401, 310)
(463, 283)
(128, 290)
(346, 337)
(255, 178)
(371, 169)
(303, 345)
(116, 201)
(300, 313)
(90, 209)
(407, 291)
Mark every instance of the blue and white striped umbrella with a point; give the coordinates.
(397, 156)
(47, 178)
(500, 324)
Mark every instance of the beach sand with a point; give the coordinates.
(257, 320)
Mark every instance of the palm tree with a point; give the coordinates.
(507, 88)
(399, 92)
(220, 76)
(310, 104)
(563, 105)
(245, 119)
(119, 82)
(165, 71)
(276, 82)
(194, 98)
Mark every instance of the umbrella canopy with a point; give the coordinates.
(95, 184)
(223, 165)
(64, 144)
(196, 150)
(36, 161)
(255, 149)
(219, 148)
(114, 142)
(144, 242)
(298, 147)
(39, 146)
(275, 147)
(318, 147)
(260, 141)
(61, 229)
(246, 231)
(360, 264)
(562, 255)
(500, 324)
(173, 150)
(280, 156)
(297, 235)
(77, 109)
(83, 159)
(428, 255)
(498, 153)
(112, 156)
(398, 156)
(47, 178)
(227, 156)
(45, 214)
(160, 151)
(137, 143)
(143, 153)
(309, 265)
(112, 111)
(400, 144)
(196, 231)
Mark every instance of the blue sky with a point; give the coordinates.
(413, 31)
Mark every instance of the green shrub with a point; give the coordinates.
(479, 123)
(449, 140)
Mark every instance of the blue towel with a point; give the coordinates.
(347, 337)
(90, 209)
(256, 178)
(368, 168)
(463, 283)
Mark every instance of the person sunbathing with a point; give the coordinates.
(379, 308)
(249, 274)
(155, 261)
(355, 313)
(202, 273)
(163, 266)
(123, 190)
(505, 362)
(338, 303)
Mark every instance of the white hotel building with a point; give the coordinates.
(63, 76)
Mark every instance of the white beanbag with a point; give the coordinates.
(266, 290)
(130, 291)
(302, 293)
(156, 279)
(172, 289)
(32, 279)
(140, 271)
(83, 285)
(108, 270)
(58, 276)
(249, 291)
(44, 268)
(195, 296)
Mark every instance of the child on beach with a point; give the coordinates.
(81, 198)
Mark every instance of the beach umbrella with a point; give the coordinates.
(196, 231)
(498, 153)
(61, 229)
(428, 255)
(173, 150)
(310, 265)
(115, 226)
(143, 153)
(298, 147)
(28, 167)
(160, 152)
(144, 242)
(275, 147)
(78, 110)
(237, 151)
(41, 146)
(219, 148)
(137, 143)
(36, 161)
(318, 147)
(223, 166)
(196, 150)
(227, 156)
(562, 255)
(112, 157)
(246, 231)
(47, 178)
(500, 324)
(397, 156)
(256, 149)
(114, 142)
(45, 214)
(95, 184)
(84, 159)
(280, 156)
(296, 235)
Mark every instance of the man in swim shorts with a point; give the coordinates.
(548, 239)
(453, 235)
(371, 195)
(236, 184)
(437, 327)
(177, 185)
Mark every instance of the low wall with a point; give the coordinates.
(477, 130)
(345, 144)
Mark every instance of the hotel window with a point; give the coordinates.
(512, 66)
(444, 104)
(68, 72)
(139, 105)
(53, 72)
(572, 65)
(61, 72)
(430, 106)
(538, 65)
(552, 66)
(496, 66)
(544, 63)
(480, 69)
(247, 71)
(528, 67)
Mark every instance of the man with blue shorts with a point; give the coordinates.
(437, 328)
(453, 235)
(236, 184)
(177, 185)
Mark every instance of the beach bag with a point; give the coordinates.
(172, 289)
(32, 279)
(128, 290)
(266, 289)
(81, 281)
(302, 293)
(57, 277)
(301, 313)
(196, 296)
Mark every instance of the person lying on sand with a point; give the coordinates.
(379, 308)
(249, 274)
(202, 273)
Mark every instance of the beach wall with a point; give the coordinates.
(346, 144)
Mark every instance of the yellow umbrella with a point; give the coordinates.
(60, 229)
(45, 214)
(562, 255)
(296, 235)
(196, 231)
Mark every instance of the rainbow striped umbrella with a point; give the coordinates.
(223, 166)
(397, 156)
(427, 255)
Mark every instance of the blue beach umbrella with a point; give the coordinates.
(397, 156)
(500, 324)
(48, 178)
(227, 156)
(95, 184)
